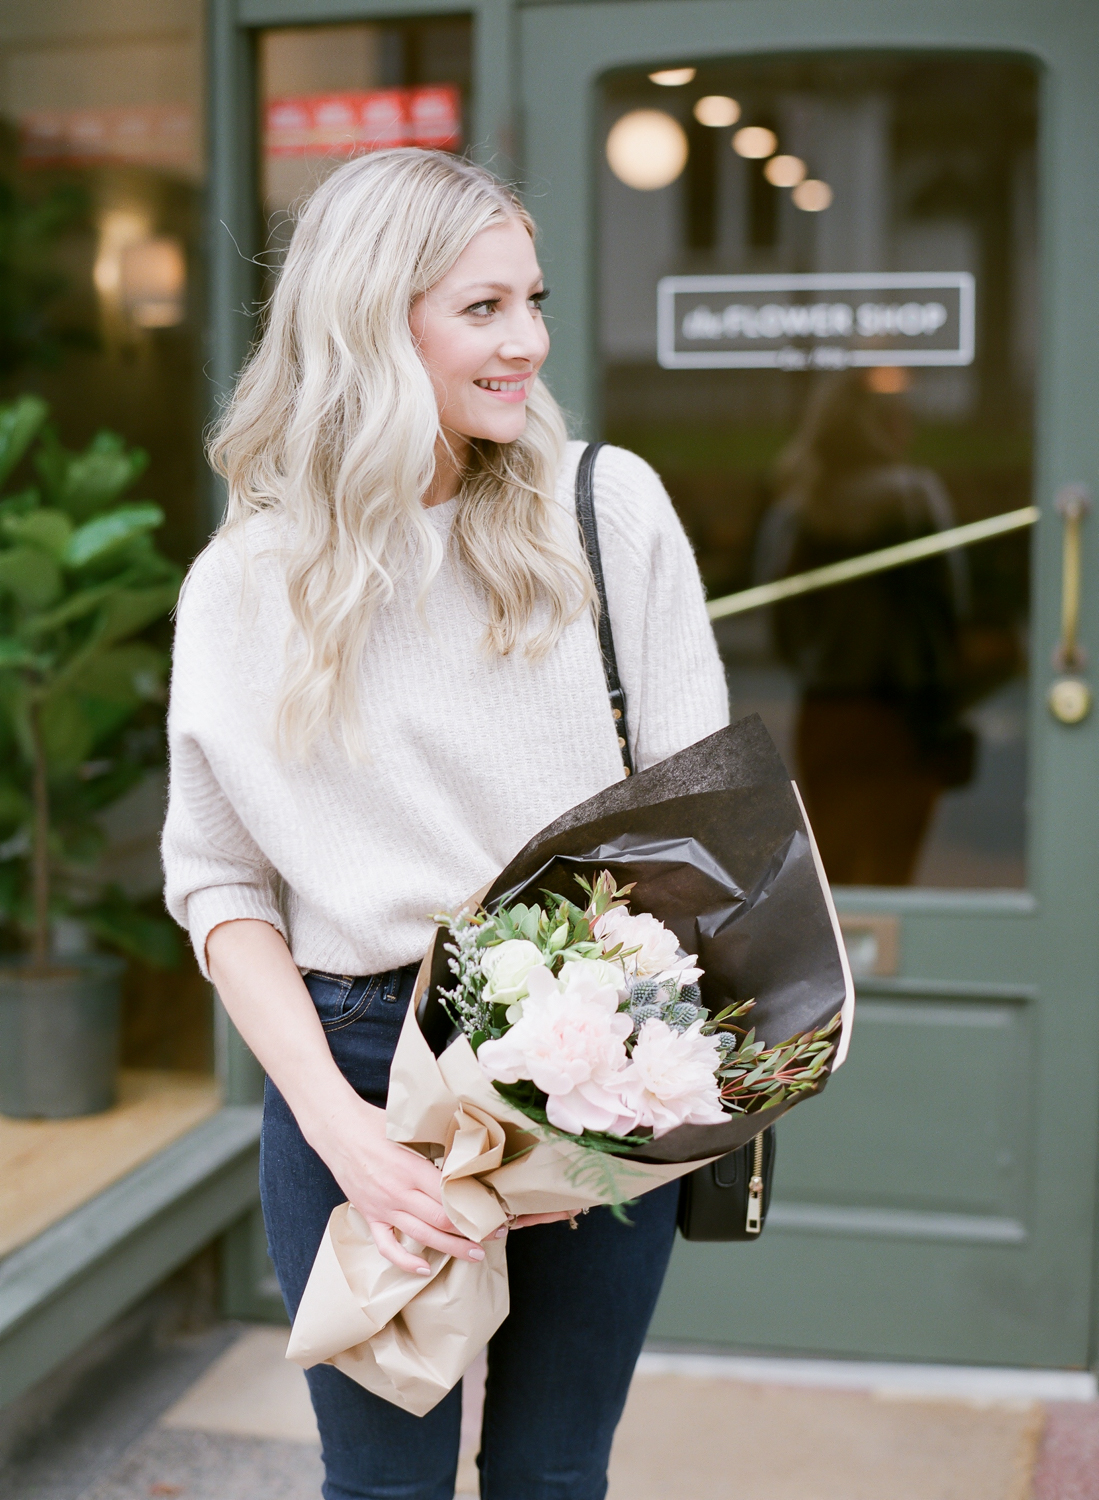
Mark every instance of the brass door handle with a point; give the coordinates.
(1070, 697)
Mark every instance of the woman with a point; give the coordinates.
(879, 660)
(386, 679)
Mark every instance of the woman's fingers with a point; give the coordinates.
(431, 1212)
(450, 1244)
(389, 1246)
(421, 1174)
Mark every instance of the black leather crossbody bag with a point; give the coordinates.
(729, 1198)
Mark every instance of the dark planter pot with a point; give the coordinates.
(59, 1035)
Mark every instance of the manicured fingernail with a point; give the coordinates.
(476, 1253)
(423, 1270)
(501, 1233)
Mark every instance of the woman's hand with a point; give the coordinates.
(393, 1187)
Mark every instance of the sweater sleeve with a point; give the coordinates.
(668, 660)
(213, 869)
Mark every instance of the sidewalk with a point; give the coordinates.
(694, 1429)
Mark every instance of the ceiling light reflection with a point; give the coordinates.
(812, 195)
(716, 110)
(785, 171)
(755, 142)
(672, 78)
(647, 149)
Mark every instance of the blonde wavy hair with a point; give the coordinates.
(333, 426)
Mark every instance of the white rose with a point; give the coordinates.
(506, 966)
(598, 970)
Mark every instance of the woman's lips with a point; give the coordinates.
(510, 390)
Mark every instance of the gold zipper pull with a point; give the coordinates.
(754, 1222)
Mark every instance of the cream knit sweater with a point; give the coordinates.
(471, 753)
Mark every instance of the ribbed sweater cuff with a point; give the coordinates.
(228, 903)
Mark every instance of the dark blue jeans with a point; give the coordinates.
(560, 1365)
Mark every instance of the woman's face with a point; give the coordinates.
(481, 335)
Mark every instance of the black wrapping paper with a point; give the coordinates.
(716, 842)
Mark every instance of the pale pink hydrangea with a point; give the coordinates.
(657, 956)
(570, 1042)
(670, 1079)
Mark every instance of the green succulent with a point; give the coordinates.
(81, 691)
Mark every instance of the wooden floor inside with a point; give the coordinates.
(50, 1167)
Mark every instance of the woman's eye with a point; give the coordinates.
(483, 309)
(539, 297)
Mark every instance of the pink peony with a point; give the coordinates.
(657, 954)
(570, 1042)
(670, 1080)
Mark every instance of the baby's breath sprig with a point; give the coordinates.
(464, 1003)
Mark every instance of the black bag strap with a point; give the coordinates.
(585, 515)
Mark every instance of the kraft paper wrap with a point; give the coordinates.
(409, 1338)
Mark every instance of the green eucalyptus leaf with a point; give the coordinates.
(48, 529)
(31, 575)
(19, 422)
(105, 533)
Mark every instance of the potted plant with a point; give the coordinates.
(81, 711)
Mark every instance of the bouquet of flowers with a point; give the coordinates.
(590, 1021)
(653, 980)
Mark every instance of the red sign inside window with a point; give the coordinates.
(350, 123)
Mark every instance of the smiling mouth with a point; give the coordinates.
(508, 387)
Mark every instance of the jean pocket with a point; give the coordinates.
(340, 999)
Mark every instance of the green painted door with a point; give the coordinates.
(833, 270)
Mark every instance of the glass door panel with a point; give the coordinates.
(332, 92)
(817, 286)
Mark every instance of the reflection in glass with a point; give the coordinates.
(332, 92)
(804, 425)
(101, 167)
(878, 734)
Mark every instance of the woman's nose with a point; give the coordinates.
(525, 337)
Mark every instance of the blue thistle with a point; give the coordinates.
(642, 1013)
(679, 1015)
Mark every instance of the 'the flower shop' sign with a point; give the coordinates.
(821, 322)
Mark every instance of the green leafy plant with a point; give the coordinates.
(30, 279)
(81, 693)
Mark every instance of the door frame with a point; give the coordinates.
(1042, 941)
